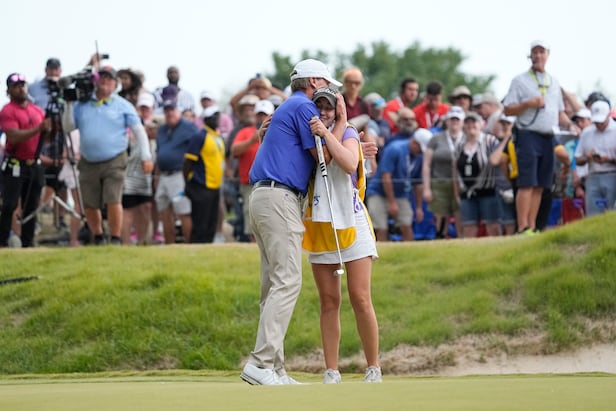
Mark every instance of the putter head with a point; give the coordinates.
(339, 271)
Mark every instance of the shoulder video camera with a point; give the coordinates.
(75, 87)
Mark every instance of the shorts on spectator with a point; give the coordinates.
(377, 207)
(170, 193)
(535, 153)
(476, 209)
(134, 200)
(443, 199)
(103, 182)
(506, 211)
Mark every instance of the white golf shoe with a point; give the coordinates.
(259, 376)
(332, 377)
(288, 380)
(373, 374)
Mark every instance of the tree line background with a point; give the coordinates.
(384, 68)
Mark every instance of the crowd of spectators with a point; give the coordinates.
(446, 167)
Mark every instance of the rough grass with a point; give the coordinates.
(196, 307)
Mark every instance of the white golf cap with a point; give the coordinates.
(539, 43)
(206, 94)
(264, 106)
(582, 113)
(422, 136)
(455, 112)
(508, 119)
(599, 111)
(313, 68)
(210, 111)
(145, 99)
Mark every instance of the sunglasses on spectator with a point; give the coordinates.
(17, 78)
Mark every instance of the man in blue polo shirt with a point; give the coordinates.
(172, 142)
(388, 191)
(279, 175)
(39, 92)
(103, 121)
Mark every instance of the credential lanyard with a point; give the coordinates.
(542, 87)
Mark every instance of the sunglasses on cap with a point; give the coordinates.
(15, 78)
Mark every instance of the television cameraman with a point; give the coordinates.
(102, 119)
(44, 93)
(39, 90)
(23, 123)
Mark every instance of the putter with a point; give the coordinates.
(323, 167)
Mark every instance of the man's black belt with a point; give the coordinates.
(168, 173)
(276, 184)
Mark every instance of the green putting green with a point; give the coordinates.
(526, 392)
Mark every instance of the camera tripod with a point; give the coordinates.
(66, 146)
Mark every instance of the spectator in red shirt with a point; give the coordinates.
(23, 123)
(432, 110)
(353, 81)
(409, 90)
(244, 148)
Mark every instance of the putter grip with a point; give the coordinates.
(320, 155)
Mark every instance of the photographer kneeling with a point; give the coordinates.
(102, 121)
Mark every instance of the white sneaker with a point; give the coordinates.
(332, 377)
(219, 238)
(14, 241)
(259, 376)
(287, 380)
(373, 374)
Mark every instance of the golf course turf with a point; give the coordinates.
(225, 391)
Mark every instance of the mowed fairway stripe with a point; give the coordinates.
(546, 393)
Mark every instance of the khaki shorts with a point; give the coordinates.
(377, 208)
(443, 199)
(103, 182)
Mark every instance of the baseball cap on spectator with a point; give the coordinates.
(264, 106)
(275, 99)
(313, 68)
(595, 96)
(210, 111)
(599, 111)
(53, 63)
(374, 100)
(473, 116)
(170, 103)
(583, 113)
(145, 99)
(507, 119)
(486, 97)
(456, 112)
(539, 43)
(326, 92)
(422, 136)
(206, 95)
(248, 100)
(109, 70)
(460, 91)
(15, 78)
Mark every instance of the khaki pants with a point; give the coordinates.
(275, 219)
